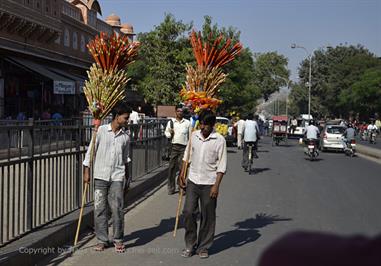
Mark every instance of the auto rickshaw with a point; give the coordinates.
(279, 130)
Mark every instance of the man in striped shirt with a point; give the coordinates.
(110, 175)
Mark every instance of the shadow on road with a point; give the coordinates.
(259, 170)
(245, 232)
(232, 151)
(315, 160)
(262, 151)
(147, 235)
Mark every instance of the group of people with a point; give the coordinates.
(202, 152)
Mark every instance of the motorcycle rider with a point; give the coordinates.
(312, 133)
(372, 129)
(349, 134)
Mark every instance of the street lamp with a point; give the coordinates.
(309, 55)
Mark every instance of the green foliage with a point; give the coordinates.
(160, 70)
(267, 67)
(334, 73)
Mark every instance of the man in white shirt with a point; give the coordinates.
(134, 118)
(240, 128)
(312, 132)
(250, 136)
(110, 176)
(178, 131)
(372, 126)
(207, 156)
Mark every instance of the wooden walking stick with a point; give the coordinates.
(179, 203)
(184, 173)
(92, 154)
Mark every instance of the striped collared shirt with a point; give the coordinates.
(207, 157)
(112, 151)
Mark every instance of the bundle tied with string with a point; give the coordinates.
(203, 79)
(107, 79)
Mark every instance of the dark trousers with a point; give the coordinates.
(195, 194)
(175, 160)
(245, 153)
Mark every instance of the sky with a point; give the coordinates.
(267, 25)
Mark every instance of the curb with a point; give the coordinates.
(368, 151)
(51, 238)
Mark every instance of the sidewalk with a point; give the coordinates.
(51, 238)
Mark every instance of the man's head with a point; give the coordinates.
(179, 111)
(250, 116)
(120, 114)
(207, 121)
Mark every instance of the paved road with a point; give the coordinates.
(335, 194)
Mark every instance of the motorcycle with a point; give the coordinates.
(372, 137)
(364, 135)
(312, 151)
(350, 148)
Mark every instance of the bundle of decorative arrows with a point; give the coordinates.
(108, 76)
(203, 80)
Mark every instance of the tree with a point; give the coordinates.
(267, 67)
(334, 71)
(160, 70)
(364, 95)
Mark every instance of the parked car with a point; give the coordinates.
(331, 137)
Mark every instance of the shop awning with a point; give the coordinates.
(61, 84)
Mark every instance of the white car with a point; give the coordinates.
(332, 137)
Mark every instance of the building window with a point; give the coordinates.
(83, 43)
(75, 41)
(67, 38)
(58, 40)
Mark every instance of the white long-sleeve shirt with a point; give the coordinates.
(112, 154)
(182, 131)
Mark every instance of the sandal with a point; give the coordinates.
(119, 247)
(187, 253)
(203, 254)
(99, 247)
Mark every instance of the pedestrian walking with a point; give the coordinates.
(206, 155)
(110, 177)
(240, 128)
(177, 131)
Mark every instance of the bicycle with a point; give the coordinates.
(251, 153)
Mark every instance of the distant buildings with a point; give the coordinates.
(43, 54)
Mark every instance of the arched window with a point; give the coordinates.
(75, 41)
(67, 38)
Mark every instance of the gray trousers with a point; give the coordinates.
(108, 195)
(245, 153)
(175, 160)
(196, 193)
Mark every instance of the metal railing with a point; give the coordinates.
(41, 169)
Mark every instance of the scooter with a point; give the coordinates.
(312, 151)
(372, 137)
(350, 148)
